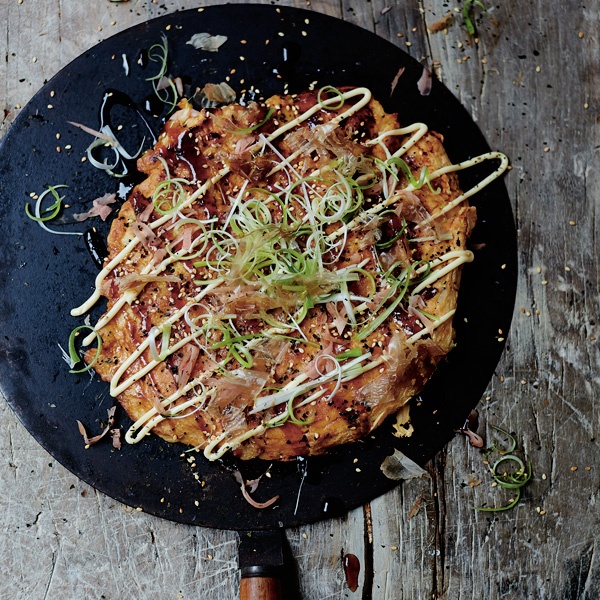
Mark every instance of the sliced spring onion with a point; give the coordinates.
(354, 353)
(292, 417)
(466, 12)
(74, 356)
(53, 209)
(512, 442)
(165, 332)
(514, 479)
(48, 213)
(513, 502)
(332, 92)
(258, 125)
(399, 290)
(159, 53)
(384, 245)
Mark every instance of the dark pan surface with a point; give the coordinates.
(43, 276)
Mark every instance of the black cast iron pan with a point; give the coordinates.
(43, 276)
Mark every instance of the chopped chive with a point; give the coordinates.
(74, 356)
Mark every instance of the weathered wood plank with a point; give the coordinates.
(61, 538)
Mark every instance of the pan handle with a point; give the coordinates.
(260, 583)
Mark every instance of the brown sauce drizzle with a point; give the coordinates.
(351, 570)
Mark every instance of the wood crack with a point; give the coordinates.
(439, 527)
(367, 593)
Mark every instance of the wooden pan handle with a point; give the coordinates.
(260, 588)
(260, 583)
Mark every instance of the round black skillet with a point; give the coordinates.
(43, 276)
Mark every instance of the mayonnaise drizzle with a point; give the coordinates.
(299, 385)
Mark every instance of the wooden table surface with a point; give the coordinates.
(532, 83)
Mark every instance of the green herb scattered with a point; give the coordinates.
(258, 125)
(509, 469)
(468, 10)
(49, 213)
(164, 86)
(74, 356)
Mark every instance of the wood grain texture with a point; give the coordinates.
(532, 83)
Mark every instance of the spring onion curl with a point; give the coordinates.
(159, 53)
(395, 163)
(170, 193)
(512, 442)
(165, 333)
(41, 217)
(330, 92)
(74, 356)
(105, 138)
(509, 471)
(258, 125)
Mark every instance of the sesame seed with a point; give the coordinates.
(573, 468)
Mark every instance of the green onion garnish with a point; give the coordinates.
(354, 353)
(511, 504)
(48, 213)
(332, 92)
(42, 216)
(160, 53)
(512, 441)
(258, 125)
(513, 479)
(75, 359)
(467, 11)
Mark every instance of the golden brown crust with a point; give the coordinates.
(222, 144)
